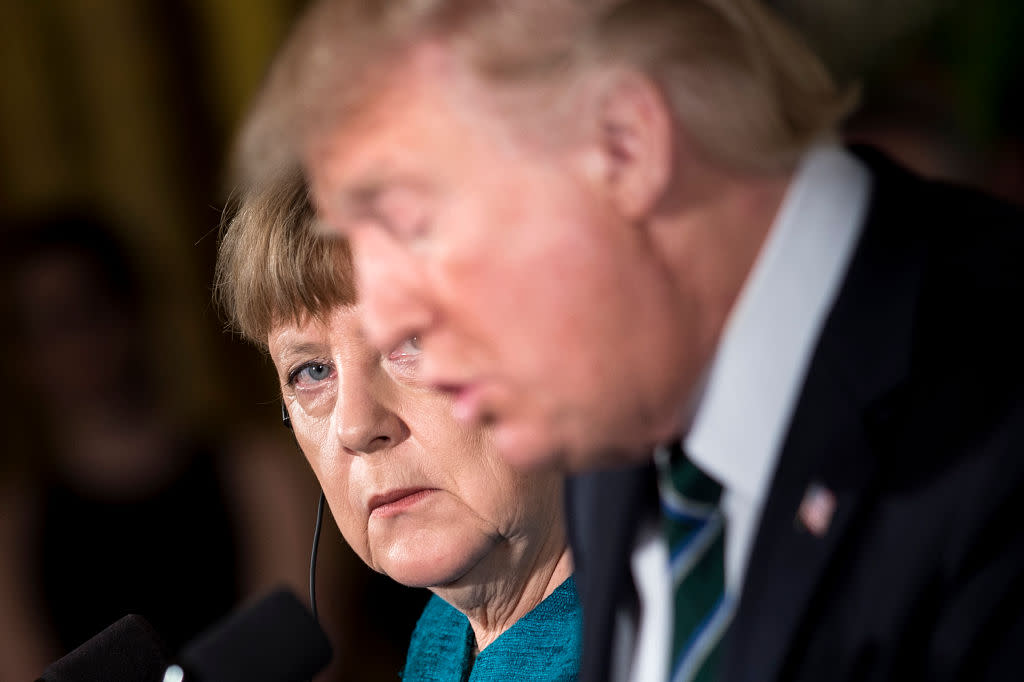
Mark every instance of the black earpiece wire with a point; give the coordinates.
(317, 526)
(312, 558)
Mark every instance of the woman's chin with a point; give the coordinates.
(442, 559)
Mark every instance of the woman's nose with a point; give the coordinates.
(365, 425)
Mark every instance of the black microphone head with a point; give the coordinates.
(274, 639)
(129, 650)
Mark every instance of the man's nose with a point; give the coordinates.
(393, 293)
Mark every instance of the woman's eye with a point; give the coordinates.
(409, 348)
(405, 360)
(317, 372)
(310, 373)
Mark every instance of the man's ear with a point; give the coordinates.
(629, 148)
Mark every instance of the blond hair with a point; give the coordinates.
(742, 85)
(273, 264)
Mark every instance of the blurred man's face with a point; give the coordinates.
(537, 306)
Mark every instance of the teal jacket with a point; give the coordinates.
(545, 644)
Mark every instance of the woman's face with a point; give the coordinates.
(419, 497)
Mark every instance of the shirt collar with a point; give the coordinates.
(755, 376)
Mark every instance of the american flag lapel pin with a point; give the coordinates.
(816, 509)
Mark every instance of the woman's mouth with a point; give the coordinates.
(393, 502)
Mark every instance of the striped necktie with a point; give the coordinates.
(693, 524)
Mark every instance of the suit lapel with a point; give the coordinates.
(788, 560)
(604, 509)
(856, 372)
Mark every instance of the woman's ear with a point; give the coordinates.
(629, 147)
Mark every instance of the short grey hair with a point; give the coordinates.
(740, 82)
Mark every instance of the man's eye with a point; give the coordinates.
(402, 211)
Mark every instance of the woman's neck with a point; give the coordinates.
(493, 606)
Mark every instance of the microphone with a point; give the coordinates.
(275, 639)
(129, 650)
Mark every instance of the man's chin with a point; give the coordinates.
(610, 457)
(528, 448)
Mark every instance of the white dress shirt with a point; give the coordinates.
(755, 377)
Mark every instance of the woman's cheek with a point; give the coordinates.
(349, 516)
(313, 436)
(353, 529)
(332, 471)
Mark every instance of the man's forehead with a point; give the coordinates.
(407, 122)
(349, 173)
(383, 87)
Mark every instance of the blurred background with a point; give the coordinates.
(128, 414)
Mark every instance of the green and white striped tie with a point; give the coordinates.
(694, 527)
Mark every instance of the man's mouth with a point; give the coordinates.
(467, 401)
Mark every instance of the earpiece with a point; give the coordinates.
(285, 419)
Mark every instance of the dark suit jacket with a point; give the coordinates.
(912, 413)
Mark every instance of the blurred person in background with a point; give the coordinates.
(114, 503)
(417, 496)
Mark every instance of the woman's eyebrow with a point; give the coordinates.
(301, 349)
